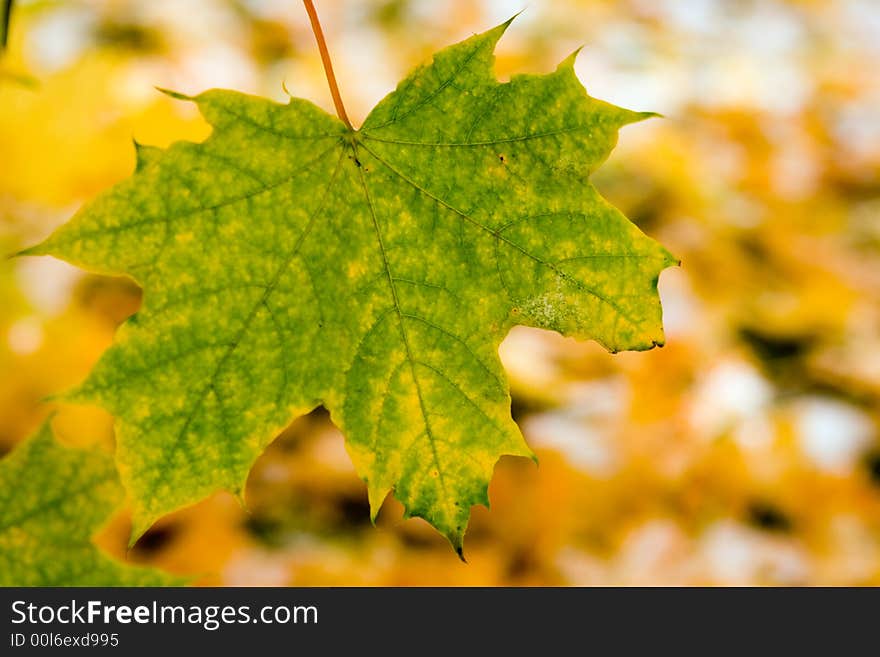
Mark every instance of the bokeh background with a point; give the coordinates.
(744, 452)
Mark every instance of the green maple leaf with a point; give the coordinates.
(52, 500)
(289, 261)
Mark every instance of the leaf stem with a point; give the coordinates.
(328, 65)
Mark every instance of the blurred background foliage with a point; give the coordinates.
(744, 452)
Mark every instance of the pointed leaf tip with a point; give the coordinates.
(138, 528)
(239, 497)
(498, 31)
(376, 499)
(507, 23)
(636, 117)
(569, 62)
(35, 250)
(174, 94)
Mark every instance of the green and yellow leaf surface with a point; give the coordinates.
(288, 261)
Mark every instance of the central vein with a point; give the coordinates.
(400, 318)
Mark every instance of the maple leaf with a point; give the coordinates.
(290, 261)
(52, 500)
